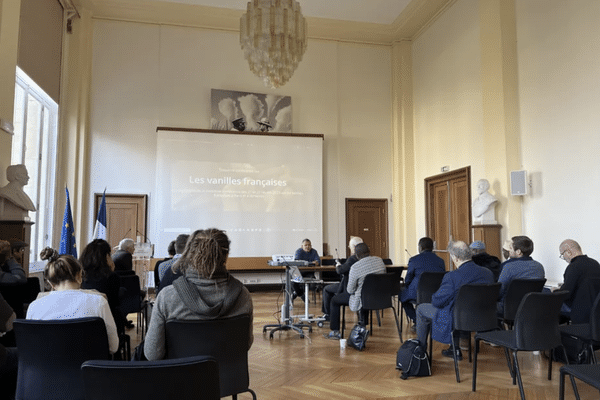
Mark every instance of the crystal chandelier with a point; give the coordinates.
(273, 38)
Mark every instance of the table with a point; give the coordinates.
(287, 319)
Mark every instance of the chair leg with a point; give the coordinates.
(343, 321)
(510, 366)
(398, 325)
(455, 333)
(518, 374)
(470, 360)
(474, 384)
(561, 386)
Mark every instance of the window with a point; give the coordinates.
(35, 123)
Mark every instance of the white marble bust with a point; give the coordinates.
(14, 202)
(484, 206)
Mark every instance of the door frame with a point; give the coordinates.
(142, 200)
(384, 228)
(430, 182)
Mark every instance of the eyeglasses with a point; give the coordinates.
(562, 255)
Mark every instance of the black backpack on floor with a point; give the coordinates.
(412, 359)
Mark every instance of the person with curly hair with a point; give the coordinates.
(66, 300)
(206, 290)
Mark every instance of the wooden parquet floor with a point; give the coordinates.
(288, 367)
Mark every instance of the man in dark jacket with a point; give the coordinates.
(580, 272)
(425, 261)
(343, 270)
(483, 259)
(438, 313)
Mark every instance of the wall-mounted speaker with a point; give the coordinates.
(518, 183)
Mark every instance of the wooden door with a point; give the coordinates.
(368, 219)
(125, 216)
(448, 209)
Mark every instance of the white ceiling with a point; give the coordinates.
(374, 11)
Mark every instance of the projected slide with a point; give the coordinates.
(265, 191)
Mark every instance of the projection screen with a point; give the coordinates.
(264, 191)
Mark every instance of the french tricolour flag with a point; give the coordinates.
(100, 227)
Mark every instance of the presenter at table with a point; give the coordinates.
(305, 253)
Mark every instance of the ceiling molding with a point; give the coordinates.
(417, 15)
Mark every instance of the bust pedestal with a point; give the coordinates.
(490, 235)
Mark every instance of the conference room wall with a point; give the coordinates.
(558, 67)
(146, 75)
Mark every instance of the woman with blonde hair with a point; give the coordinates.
(66, 300)
(205, 291)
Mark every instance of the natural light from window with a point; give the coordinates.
(35, 123)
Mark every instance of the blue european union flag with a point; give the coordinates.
(67, 237)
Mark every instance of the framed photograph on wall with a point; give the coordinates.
(259, 111)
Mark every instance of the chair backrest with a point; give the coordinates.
(475, 307)
(225, 339)
(187, 378)
(396, 281)
(377, 291)
(517, 289)
(131, 302)
(429, 283)
(536, 322)
(595, 319)
(51, 353)
(387, 261)
(585, 296)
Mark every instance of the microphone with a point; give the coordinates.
(144, 236)
(406, 250)
(126, 233)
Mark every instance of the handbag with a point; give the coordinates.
(358, 337)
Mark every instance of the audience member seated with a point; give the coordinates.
(425, 261)
(180, 243)
(205, 291)
(483, 259)
(506, 251)
(171, 251)
(305, 253)
(520, 265)
(17, 249)
(98, 273)
(8, 355)
(123, 257)
(438, 314)
(67, 300)
(365, 265)
(335, 289)
(579, 272)
(11, 272)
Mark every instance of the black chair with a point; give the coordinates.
(51, 353)
(190, 378)
(588, 333)
(377, 292)
(535, 329)
(517, 289)
(474, 311)
(584, 300)
(132, 300)
(589, 373)
(225, 339)
(398, 280)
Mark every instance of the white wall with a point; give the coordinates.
(447, 98)
(559, 81)
(559, 93)
(146, 76)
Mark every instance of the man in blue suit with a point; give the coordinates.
(438, 313)
(425, 261)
